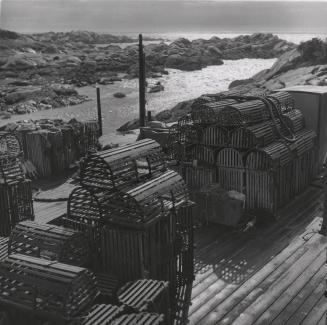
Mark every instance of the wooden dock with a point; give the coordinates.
(275, 274)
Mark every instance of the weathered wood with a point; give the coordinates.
(140, 319)
(147, 296)
(31, 283)
(49, 242)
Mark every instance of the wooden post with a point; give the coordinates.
(99, 111)
(149, 116)
(141, 82)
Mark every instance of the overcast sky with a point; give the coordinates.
(165, 16)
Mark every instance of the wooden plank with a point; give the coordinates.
(298, 300)
(317, 312)
(256, 308)
(293, 290)
(220, 308)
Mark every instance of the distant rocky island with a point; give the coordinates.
(42, 71)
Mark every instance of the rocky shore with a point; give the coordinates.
(41, 71)
(304, 65)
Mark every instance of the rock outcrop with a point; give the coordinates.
(82, 58)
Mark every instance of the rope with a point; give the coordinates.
(270, 105)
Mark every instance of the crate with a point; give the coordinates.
(146, 295)
(122, 167)
(101, 314)
(140, 319)
(51, 289)
(49, 242)
(230, 169)
(269, 177)
(15, 205)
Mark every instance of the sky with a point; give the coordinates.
(165, 16)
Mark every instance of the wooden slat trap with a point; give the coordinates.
(15, 205)
(3, 247)
(101, 314)
(243, 113)
(86, 212)
(305, 166)
(53, 145)
(250, 137)
(202, 154)
(197, 177)
(283, 100)
(230, 169)
(294, 119)
(146, 295)
(50, 243)
(122, 167)
(140, 319)
(45, 287)
(208, 113)
(9, 145)
(216, 136)
(269, 177)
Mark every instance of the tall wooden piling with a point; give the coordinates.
(99, 111)
(141, 82)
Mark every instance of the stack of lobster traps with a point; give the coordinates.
(15, 190)
(136, 214)
(254, 143)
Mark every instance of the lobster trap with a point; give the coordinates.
(208, 112)
(46, 288)
(216, 136)
(49, 242)
(305, 166)
(148, 202)
(101, 315)
(250, 137)
(146, 295)
(140, 319)
(269, 177)
(122, 167)
(15, 205)
(294, 120)
(9, 146)
(230, 169)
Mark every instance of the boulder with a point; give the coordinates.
(23, 93)
(119, 95)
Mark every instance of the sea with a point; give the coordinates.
(168, 20)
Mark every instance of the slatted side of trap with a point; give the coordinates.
(147, 295)
(230, 169)
(123, 167)
(60, 290)
(249, 137)
(49, 242)
(197, 176)
(10, 146)
(269, 177)
(15, 205)
(130, 254)
(216, 136)
(140, 319)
